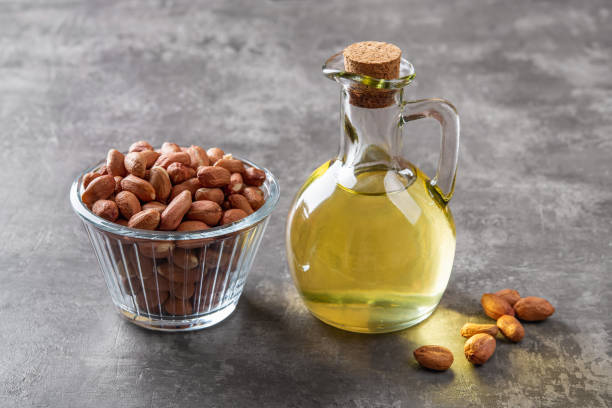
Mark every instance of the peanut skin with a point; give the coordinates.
(511, 328)
(435, 358)
(479, 348)
(173, 214)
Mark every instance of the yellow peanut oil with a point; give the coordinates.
(372, 253)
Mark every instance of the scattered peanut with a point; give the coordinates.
(511, 328)
(470, 329)
(494, 306)
(509, 295)
(436, 358)
(533, 309)
(479, 348)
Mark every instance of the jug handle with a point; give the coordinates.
(446, 114)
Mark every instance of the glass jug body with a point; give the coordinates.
(370, 238)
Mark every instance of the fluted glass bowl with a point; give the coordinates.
(171, 280)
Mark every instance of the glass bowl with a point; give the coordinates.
(171, 280)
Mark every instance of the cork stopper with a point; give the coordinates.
(376, 59)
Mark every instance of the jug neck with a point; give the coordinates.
(370, 137)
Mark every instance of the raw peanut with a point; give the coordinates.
(103, 170)
(254, 177)
(118, 184)
(198, 156)
(114, 163)
(192, 226)
(129, 273)
(225, 205)
(125, 271)
(212, 194)
(141, 188)
(147, 175)
(511, 328)
(147, 220)
(128, 204)
(140, 146)
(184, 149)
(169, 147)
(190, 185)
(151, 299)
(156, 249)
(178, 172)
(130, 284)
(165, 270)
(232, 165)
(106, 209)
(436, 358)
(232, 215)
(479, 348)
(154, 205)
(211, 176)
(122, 221)
(182, 291)
(509, 295)
(88, 178)
(156, 282)
(470, 329)
(239, 201)
(184, 259)
(208, 212)
(494, 306)
(533, 309)
(135, 164)
(150, 157)
(214, 154)
(99, 188)
(175, 157)
(213, 258)
(255, 197)
(176, 306)
(139, 267)
(151, 309)
(174, 274)
(160, 180)
(236, 184)
(172, 216)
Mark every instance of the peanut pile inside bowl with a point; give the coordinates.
(173, 188)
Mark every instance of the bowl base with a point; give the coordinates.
(180, 325)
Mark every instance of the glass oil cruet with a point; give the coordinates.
(370, 238)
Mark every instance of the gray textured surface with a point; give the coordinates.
(533, 205)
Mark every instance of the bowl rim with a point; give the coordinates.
(258, 216)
